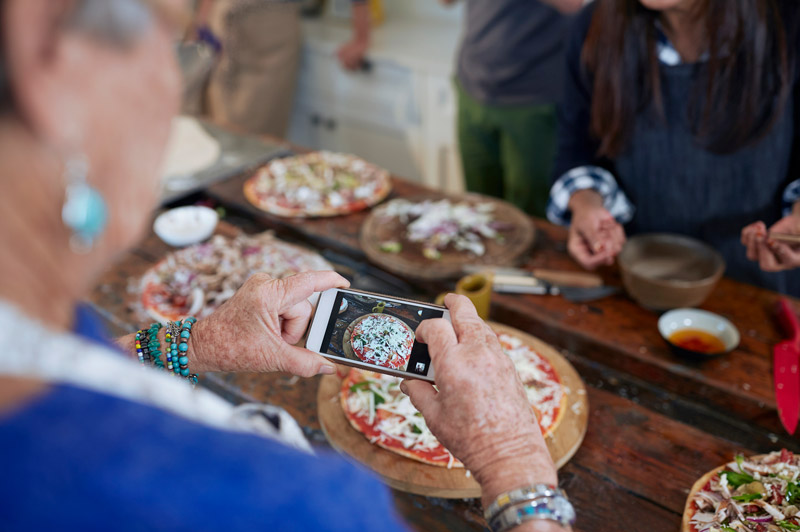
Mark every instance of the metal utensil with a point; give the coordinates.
(513, 284)
(556, 277)
(786, 358)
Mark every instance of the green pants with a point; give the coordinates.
(507, 152)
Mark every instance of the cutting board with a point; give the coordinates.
(410, 262)
(422, 479)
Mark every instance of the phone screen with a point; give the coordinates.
(381, 332)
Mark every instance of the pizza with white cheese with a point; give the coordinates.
(755, 494)
(375, 406)
(317, 184)
(382, 340)
(196, 280)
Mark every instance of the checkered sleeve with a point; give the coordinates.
(791, 195)
(597, 179)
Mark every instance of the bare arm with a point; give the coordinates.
(352, 53)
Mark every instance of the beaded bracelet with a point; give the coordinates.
(177, 344)
(154, 344)
(142, 350)
(183, 347)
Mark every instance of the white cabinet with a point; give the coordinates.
(391, 115)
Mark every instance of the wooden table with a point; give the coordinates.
(656, 424)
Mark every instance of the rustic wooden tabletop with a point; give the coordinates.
(656, 422)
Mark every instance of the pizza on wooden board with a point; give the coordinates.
(750, 494)
(374, 405)
(317, 184)
(382, 340)
(196, 280)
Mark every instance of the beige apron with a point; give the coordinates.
(253, 86)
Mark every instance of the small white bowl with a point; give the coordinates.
(185, 226)
(689, 318)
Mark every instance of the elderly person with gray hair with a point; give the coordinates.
(92, 440)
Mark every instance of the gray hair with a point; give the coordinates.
(119, 22)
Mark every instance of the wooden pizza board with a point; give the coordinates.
(410, 262)
(412, 476)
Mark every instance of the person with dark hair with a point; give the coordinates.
(680, 116)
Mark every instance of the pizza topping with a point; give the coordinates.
(439, 224)
(394, 421)
(382, 340)
(755, 494)
(321, 181)
(198, 279)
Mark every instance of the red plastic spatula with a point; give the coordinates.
(786, 359)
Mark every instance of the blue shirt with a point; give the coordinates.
(73, 459)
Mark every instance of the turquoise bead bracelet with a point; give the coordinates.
(183, 348)
(154, 344)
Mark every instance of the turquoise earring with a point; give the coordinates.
(84, 211)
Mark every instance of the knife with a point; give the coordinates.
(515, 284)
(786, 358)
(555, 277)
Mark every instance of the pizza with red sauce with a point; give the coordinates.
(317, 184)
(196, 280)
(375, 406)
(382, 340)
(754, 494)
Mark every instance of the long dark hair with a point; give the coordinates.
(744, 85)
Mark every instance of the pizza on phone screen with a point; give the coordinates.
(374, 405)
(757, 493)
(316, 184)
(382, 340)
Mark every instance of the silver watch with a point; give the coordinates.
(540, 501)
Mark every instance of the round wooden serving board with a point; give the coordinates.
(411, 263)
(412, 476)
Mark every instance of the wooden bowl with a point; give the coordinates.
(663, 271)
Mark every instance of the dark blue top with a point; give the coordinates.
(676, 184)
(78, 460)
(512, 52)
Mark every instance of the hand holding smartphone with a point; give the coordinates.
(373, 332)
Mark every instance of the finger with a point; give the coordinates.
(786, 255)
(302, 362)
(468, 326)
(423, 396)
(439, 335)
(295, 321)
(579, 251)
(767, 260)
(300, 286)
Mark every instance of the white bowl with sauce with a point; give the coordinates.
(698, 333)
(185, 226)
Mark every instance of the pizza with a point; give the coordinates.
(463, 226)
(382, 340)
(374, 405)
(317, 184)
(755, 494)
(196, 280)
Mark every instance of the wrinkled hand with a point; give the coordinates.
(595, 237)
(351, 54)
(480, 411)
(771, 255)
(257, 328)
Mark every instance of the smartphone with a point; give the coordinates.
(373, 332)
